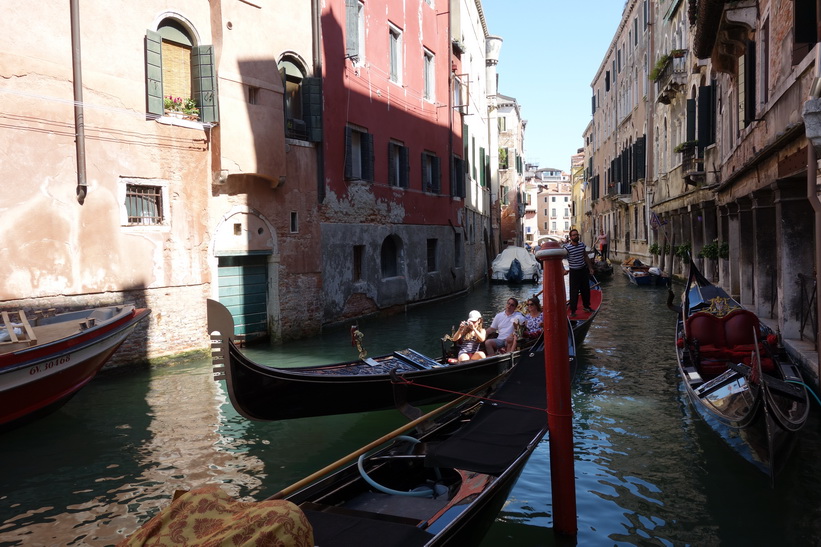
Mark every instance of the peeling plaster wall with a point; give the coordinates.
(345, 297)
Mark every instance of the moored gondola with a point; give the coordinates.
(738, 378)
(260, 392)
(439, 480)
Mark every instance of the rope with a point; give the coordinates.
(405, 381)
(808, 388)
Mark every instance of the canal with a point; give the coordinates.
(648, 472)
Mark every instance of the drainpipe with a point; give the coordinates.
(79, 128)
(316, 23)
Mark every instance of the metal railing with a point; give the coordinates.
(809, 292)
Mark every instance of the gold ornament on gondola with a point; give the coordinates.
(356, 340)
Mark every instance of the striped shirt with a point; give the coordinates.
(575, 256)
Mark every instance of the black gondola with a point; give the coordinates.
(260, 392)
(439, 480)
(739, 380)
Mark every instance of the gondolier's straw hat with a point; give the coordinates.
(474, 316)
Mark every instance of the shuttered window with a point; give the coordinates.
(176, 67)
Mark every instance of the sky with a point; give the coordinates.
(551, 50)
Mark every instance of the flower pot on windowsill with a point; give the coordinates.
(174, 114)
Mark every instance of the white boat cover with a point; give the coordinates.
(501, 264)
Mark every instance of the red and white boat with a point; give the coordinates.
(43, 362)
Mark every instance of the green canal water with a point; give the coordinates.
(648, 472)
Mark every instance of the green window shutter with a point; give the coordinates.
(204, 82)
(482, 181)
(367, 156)
(404, 166)
(391, 171)
(312, 107)
(437, 174)
(351, 28)
(348, 154)
(153, 72)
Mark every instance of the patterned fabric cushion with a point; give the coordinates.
(209, 517)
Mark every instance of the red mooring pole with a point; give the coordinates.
(557, 372)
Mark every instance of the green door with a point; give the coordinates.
(243, 289)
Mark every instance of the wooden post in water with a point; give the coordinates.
(557, 372)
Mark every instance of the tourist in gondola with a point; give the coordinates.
(469, 336)
(504, 324)
(534, 320)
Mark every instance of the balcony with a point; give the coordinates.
(670, 75)
(692, 162)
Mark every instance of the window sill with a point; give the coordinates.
(191, 124)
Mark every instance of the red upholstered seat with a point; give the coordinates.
(741, 327)
(706, 328)
(729, 338)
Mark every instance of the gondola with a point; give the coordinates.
(581, 322)
(439, 480)
(46, 358)
(742, 383)
(265, 393)
(641, 274)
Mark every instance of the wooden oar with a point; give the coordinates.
(367, 448)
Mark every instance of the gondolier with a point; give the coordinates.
(581, 268)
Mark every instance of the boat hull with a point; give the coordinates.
(265, 393)
(756, 410)
(455, 445)
(38, 380)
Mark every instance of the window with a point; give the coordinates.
(294, 223)
(457, 185)
(395, 52)
(303, 101)
(358, 154)
(253, 94)
(429, 75)
(390, 256)
(553, 212)
(503, 158)
(432, 245)
(431, 176)
(292, 77)
(553, 198)
(358, 253)
(177, 68)
(144, 205)
(398, 165)
(355, 31)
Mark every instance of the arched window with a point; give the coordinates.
(303, 100)
(180, 74)
(390, 256)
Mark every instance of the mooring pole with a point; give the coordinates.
(557, 372)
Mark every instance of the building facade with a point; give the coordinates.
(731, 114)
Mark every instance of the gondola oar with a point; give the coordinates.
(367, 448)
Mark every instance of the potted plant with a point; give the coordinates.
(654, 249)
(686, 145)
(710, 250)
(179, 107)
(659, 67)
(678, 53)
(683, 251)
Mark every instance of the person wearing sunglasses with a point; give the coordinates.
(504, 325)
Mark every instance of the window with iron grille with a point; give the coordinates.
(144, 205)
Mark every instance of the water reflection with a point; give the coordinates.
(648, 472)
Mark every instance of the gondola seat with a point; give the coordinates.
(721, 339)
